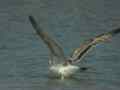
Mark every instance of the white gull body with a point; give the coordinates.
(63, 71)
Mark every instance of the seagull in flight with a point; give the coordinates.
(61, 65)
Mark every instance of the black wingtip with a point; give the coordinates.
(115, 31)
(32, 20)
(34, 23)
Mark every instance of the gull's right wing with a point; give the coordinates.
(56, 52)
(87, 46)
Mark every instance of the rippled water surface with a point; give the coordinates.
(24, 57)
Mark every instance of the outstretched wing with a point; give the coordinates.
(56, 52)
(87, 46)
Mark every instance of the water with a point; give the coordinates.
(24, 57)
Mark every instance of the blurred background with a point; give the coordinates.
(24, 57)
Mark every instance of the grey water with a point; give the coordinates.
(24, 57)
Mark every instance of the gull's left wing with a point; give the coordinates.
(56, 51)
(87, 46)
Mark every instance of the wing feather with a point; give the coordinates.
(56, 51)
(88, 45)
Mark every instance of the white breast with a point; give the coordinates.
(64, 71)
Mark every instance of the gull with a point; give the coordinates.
(61, 65)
